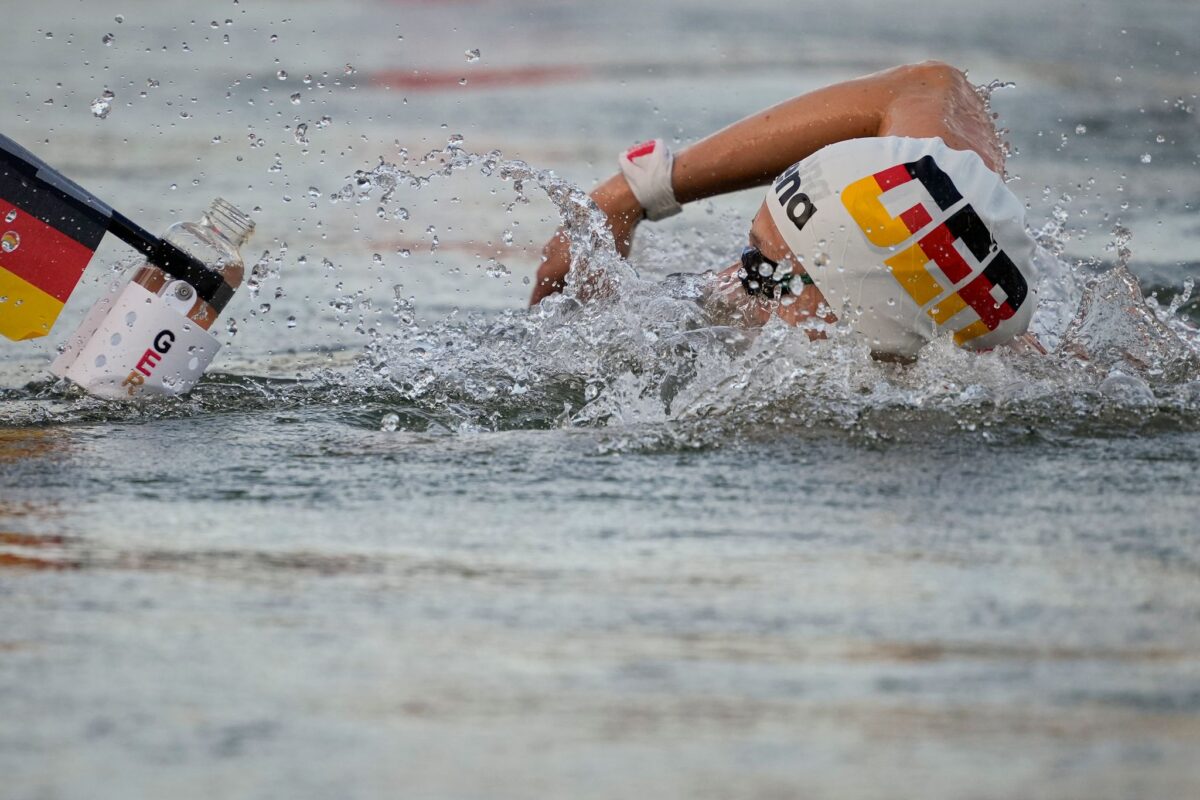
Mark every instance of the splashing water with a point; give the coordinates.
(644, 361)
(985, 92)
(102, 105)
(644, 353)
(1117, 328)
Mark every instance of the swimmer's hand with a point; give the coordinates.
(616, 200)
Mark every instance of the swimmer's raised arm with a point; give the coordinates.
(918, 100)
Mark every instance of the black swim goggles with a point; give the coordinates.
(757, 281)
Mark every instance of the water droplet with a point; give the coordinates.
(49, 35)
(1080, 130)
(295, 98)
(216, 140)
(282, 75)
(119, 18)
(473, 55)
(350, 70)
(10, 241)
(301, 133)
(1160, 138)
(314, 192)
(108, 39)
(324, 121)
(11, 215)
(390, 422)
(1147, 158)
(264, 308)
(273, 39)
(291, 321)
(102, 104)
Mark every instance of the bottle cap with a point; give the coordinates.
(229, 221)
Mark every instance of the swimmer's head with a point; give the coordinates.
(906, 239)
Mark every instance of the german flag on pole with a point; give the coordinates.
(49, 229)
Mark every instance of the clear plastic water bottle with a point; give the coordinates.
(150, 336)
(215, 240)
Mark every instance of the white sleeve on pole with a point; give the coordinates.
(134, 343)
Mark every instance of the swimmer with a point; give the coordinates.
(886, 204)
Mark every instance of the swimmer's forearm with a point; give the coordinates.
(918, 100)
(754, 150)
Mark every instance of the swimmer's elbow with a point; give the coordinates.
(933, 98)
(933, 74)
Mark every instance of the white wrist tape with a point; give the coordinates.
(134, 343)
(647, 169)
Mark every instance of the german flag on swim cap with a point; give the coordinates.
(49, 229)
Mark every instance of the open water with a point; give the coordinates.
(408, 540)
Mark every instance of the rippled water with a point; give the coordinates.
(407, 538)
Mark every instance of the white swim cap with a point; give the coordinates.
(906, 238)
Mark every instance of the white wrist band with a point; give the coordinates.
(647, 169)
